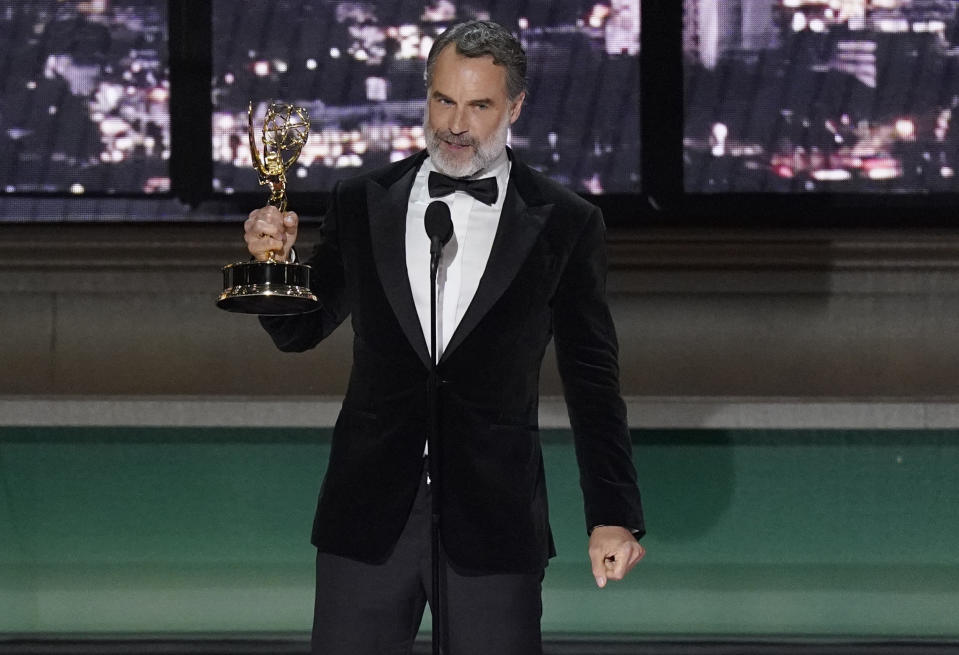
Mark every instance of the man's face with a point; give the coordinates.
(468, 113)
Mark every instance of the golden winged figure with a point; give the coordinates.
(285, 131)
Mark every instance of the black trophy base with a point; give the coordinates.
(267, 288)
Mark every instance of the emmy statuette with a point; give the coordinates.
(272, 287)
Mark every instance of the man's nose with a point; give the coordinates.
(458, 123)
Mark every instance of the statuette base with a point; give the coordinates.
(267, 288)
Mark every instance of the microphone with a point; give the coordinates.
(439, 226)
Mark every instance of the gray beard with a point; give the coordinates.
(484, 152)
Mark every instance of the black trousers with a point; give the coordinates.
(366, 609)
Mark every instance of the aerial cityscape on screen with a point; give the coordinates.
(807, 96)
(84, 105)
(358, 69)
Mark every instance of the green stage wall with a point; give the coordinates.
(751, 533)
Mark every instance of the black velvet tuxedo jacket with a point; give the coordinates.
(545, 279)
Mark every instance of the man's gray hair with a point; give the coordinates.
(479, 38)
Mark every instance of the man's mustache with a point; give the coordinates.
(449, 137)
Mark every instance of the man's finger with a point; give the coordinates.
(261, 245)
(290, 225)
(262, 227)
(616, 564)
(290, 222)
(636, 554)
(269, 213)
(259, 219)
(599, 568)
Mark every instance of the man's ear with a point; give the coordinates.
(517, 107)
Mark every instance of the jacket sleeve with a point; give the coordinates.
(328, 281)
(587, 354)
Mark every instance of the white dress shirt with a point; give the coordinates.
(464, 256)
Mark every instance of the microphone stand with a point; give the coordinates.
(433, 460)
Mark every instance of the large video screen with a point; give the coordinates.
(84, 106)
(357, 67)
(812, 96)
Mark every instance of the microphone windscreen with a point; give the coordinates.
(438, 222)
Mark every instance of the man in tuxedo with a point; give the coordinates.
(526, 264)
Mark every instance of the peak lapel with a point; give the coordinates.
(387, 209)
(519, 226)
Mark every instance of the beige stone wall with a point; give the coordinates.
(129, 310)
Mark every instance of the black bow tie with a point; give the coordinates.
(484, 189)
